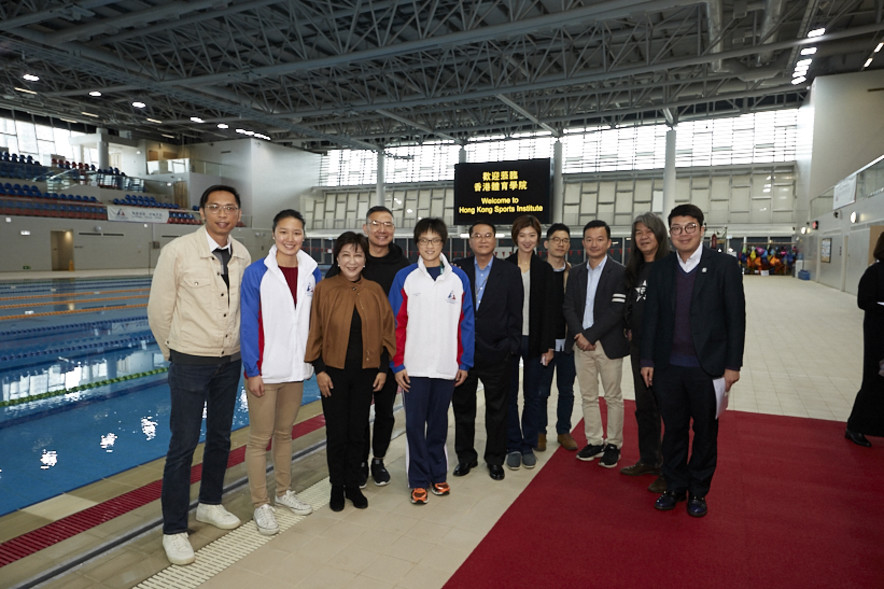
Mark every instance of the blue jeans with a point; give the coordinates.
(565, 372)
(522, 433)
(193, 386)
(426, 430)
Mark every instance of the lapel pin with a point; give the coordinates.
(703, 270)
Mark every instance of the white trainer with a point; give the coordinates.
(291, 501)
(216, 515)
(265, 520)
(178, 548)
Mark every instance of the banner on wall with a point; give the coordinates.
(137, 214)
(501, 191)
(845, 192)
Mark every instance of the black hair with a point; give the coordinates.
(434, 224)
(557, 227)
(378, 209)
(523, 222)
(219, 188)
(879, 248)
(286, 213)
(347, 238)
(597, 223)
(687, 210)
(481, 222)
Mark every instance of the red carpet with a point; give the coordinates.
(793, 504)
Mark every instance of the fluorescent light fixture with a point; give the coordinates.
(223, 126)
(167, 135)
(25, 232)
(196, 120)
(241, 131)
(803, 62)
(800, 80)
(808, 51)
(157, 121)
(31, 78)
(25, 90)
(95, 93)
(867, 63)
(816, 33)
(89, 114)
(138, 104)
(854, 217)
(878, 48)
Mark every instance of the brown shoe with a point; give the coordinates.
(541, 442)
(639, 468)
(567, 442)
(658, 486)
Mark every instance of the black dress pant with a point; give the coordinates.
(346, 413)
(686, 395)
(383, 420)
(647, 416)
(495, 378)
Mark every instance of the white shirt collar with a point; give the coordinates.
(599, 267)
(213, 245)
(693, 260)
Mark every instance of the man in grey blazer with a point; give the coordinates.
(594, 302)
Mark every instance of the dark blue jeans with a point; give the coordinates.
(522, 433)
(565, 372)
(193, 386)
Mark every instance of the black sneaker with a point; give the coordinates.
(363, 475)
(611, 456)
(589, 452)
(379, 473)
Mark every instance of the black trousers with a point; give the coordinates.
(686, 395)
(383, 420)
(496, 380)
(647, 416)
(346, 413)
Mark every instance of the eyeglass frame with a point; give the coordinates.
(215, 208)
(689, 229)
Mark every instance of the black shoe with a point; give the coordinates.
(495, 471)
(379, 472)
(668, 500)
(589, 452)
(356, 496)
(463, 468)
(857, 438)
(611, 456)
(697, 506)
(336, 503)
(363, 475)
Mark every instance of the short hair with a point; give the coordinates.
(285, 214)
(219, 188)
(686, 210)
(434, 224)
(557, 227)
(523, 222)
(481, 222)
(347, 238)
(597, 223)
(378, 209)
(879, 248)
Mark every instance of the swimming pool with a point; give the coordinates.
(83, 384)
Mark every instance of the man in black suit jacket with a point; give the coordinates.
(594, 303)
(692, 352)
(497, 298)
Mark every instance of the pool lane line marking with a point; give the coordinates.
(73, 294)
(72, 311)
(68, 302)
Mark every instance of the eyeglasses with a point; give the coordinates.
(689, 229)
(560, 240)
(430, 241)
(216, 208)
(482, 236)
(378, 224)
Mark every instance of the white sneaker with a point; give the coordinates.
(265, 520)
(291, 501)
(178, 548)
(216, 515)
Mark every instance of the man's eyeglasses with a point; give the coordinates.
(689, 229)
(560, 240)
(378, 224)
(216, 208)
(483, 236)
(429, 241)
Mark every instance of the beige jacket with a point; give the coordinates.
(190, 309)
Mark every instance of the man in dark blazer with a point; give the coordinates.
(692, 352)
(594, 303)
(497, 299)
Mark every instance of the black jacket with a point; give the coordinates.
(607, 310)
(542, 307)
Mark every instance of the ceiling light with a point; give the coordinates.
(222, 125)
(800, 80)
(803, 62)
(157, 121)
(878, 48)
(816, 33)
(95, 93)
(867, 63)
(88, 114)
(196, 120)
(167, 135)
(25, 90)
(138, 104)
(808, 51)
(31, 78)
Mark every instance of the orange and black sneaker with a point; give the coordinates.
(441, 489)
(419, 496)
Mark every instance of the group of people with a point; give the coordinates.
(433, 329)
